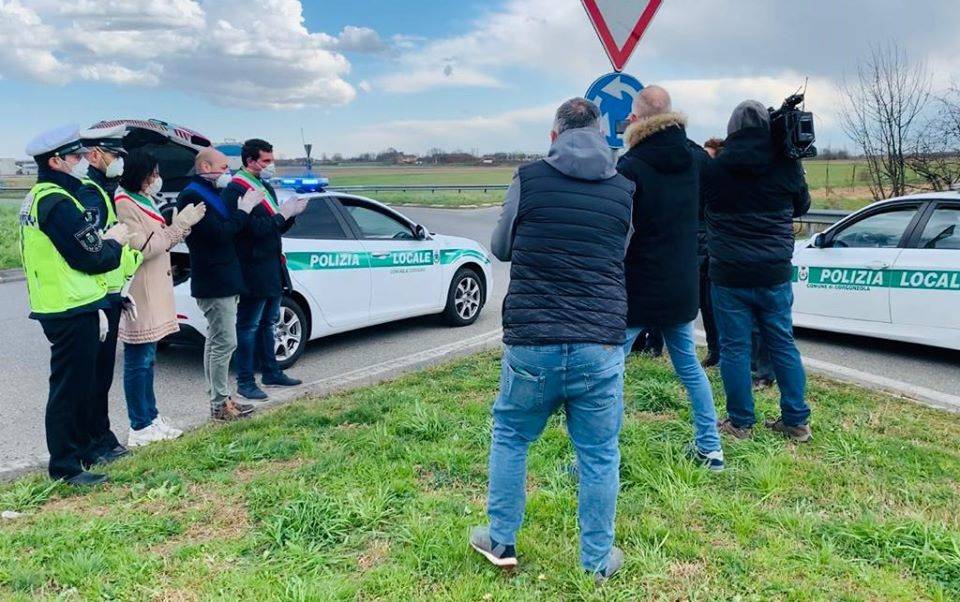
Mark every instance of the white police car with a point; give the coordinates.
(354, 262)
(890, 270)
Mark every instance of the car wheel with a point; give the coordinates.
(290, 333)
(465, 298)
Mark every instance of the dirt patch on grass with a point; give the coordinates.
(247, 473)
(223, 518)
(371, 556)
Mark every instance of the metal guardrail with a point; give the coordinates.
(816, 217)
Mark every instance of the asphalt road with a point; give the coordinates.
(24, 354)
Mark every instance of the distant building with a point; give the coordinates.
(407, 160)
(26, 168)
(9, 167)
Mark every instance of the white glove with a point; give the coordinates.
(188, 217)
(250, 199)
(104, 325)
(120, 233)
(293, 207)
(129, 308)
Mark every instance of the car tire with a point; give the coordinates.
(291, 333)
(464, 298)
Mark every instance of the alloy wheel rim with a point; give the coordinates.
(466, 299)
(288, 332)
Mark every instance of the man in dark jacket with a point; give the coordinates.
(260, 250)
(709, 151)
(661, 266)
(216, 281)
(752, 196)
(565, 225)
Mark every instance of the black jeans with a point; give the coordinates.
(74, 344)
(706, 310)
(102, 438)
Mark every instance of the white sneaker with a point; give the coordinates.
(169, 431)
(144, 436)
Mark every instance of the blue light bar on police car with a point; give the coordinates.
(303, 183)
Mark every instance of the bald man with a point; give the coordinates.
(661, 266)
(215, 278)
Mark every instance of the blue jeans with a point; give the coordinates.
(586, 380)
(138, 362)
(256, 343)
(736, 311)
(683, 354)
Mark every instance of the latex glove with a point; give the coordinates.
(293, 207)
(187, 217)
(129, 308)
(120, 233)
(250, 200)
(104, 325)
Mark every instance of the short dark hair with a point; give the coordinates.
(252, 148)
(576, 113)
(137, 167)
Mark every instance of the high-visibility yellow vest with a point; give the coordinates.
(52, 284)
(130, 259)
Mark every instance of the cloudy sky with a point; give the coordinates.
(367, 74)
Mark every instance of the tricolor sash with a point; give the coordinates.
(142, 201)
(251, 182)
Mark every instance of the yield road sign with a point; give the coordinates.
(620, 24)
(613, 94)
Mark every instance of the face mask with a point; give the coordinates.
(115, 169)
(224, 179)
(268, 172)
(79, 171)
(154, 188)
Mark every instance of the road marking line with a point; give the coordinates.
(923, 395)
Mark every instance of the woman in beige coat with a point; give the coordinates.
(155, 315)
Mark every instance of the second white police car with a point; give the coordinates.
(890, 270)
(354, 262)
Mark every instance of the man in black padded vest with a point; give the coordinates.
(565, 226)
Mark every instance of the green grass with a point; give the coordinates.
(9, 237)
(369, 495)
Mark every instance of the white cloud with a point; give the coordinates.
(245, 53)
(445, 76)
(364, 86)
(359, 39)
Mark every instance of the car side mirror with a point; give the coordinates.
(819, 240)
(420, 232)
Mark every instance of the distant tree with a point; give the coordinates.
(936, 152)
(880, 112)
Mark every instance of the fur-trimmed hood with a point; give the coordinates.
(660, 142)
(638, 131)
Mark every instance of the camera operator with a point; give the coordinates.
(753, 191)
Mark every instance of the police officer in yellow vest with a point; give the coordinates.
(66, 260)
(104, 153)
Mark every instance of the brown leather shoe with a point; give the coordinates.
(728, 427)
(232, 410)
(800, 434)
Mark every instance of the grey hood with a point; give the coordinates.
(582, 153)
(748, 114)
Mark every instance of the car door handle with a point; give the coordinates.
(381, 255)
(878, 265)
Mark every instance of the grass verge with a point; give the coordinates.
(369, 495)
(9, 237)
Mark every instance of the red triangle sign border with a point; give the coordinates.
(619, 56)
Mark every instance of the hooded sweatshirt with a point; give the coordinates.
(565, 225)
(662, 269)
(751, 196)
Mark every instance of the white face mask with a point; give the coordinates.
(268, 172)
(79, 171)
(223, 179)
(154, 188)
(115, 169)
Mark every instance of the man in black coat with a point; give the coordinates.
(752, 196)
(265, 277)
(216, 281)
(661, 266)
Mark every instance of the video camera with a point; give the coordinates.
(792, 129)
